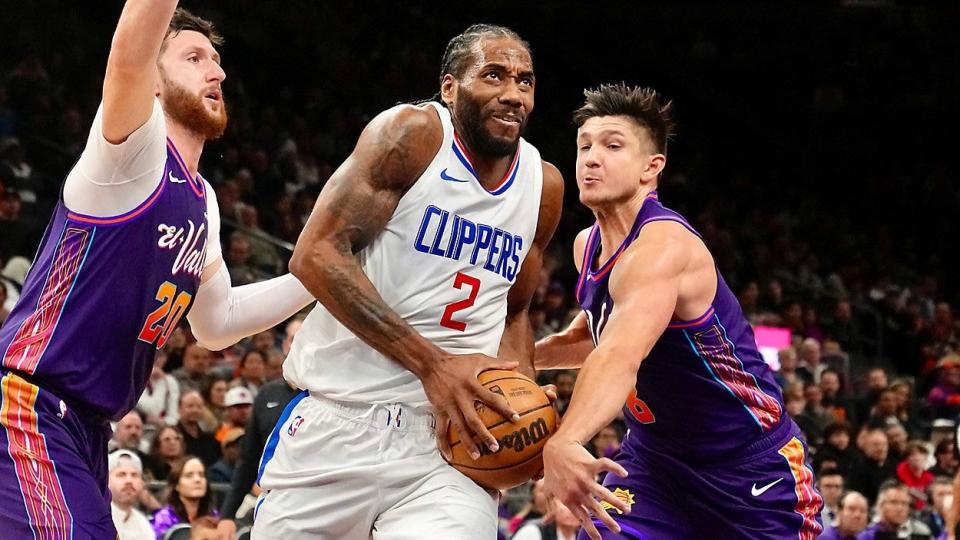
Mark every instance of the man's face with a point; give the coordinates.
(830, 384)
(565, 383)
(191, 407)
(895, 507)
(190, 78)
(239, 414)
(125, 483)
(939, 495)
(613, 153)
(196, 359)
(877, 379)
(853, 515)
(831, 487)
(263, 341)
(876, 446)
(129, 431)
(493, 99)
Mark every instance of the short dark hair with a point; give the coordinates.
(459, 49)
(184, 20)
(643, 105)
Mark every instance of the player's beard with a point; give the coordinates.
(475, 133)
(188, 110)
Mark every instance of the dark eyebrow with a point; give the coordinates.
(503, 67)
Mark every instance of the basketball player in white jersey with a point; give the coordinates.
(425, 250)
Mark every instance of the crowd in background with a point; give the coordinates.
(819, 186)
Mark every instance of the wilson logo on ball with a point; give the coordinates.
(521, 438)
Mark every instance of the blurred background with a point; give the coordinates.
(814, 153)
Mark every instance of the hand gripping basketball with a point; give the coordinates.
(454, 391)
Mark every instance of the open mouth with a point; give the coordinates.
(215, 96)
(508, 119)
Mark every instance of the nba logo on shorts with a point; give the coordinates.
(294, 426)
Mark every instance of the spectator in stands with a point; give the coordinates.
(816, 411)
(238, 261)
(908, 411)
(885, 410)
(128, 434)
(532, 512)
(264, 342)
(837, 438)
(289, 332)
(898, 438)
(875, 468)
(851, 518)
(187, 496)
(810, 359)
(942, 331)
(563, 526)
(263, 255)
(195, 373)
(946, 459)
(832, 399)
(125, 482)
(222, 471)
(893, 516)
(793, 319)
(267, 407)
(167, 449)
(940, 492)
(214, 397)
(844, 328)
(945, 396)
(160, 399)
(606, 443)
(788, 373)
(830, 485)
(876, 382)
(811, 324)
(197, 442)
(913, 474)
(238, 404)
(250, 372)
(274, 368)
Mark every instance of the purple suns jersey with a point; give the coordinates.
(105, 293)
(704, 392)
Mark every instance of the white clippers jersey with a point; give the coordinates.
(444, 262)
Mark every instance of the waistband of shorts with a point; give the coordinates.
(396, 416)
(776, 438)
(81, 413)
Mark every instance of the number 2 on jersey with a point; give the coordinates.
(162, 321)
(458, 282)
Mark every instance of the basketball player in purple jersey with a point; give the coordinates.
(710, 451)
(132, 244)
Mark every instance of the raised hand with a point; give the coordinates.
(570, 474)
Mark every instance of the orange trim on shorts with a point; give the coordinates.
(809, 501)
(40, 487)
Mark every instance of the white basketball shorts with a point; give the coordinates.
(354, 471)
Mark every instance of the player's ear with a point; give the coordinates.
(448, 89)
(654, 166)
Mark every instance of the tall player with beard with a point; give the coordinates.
(425, 250)
(132, 244)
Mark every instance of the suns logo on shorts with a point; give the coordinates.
(622, 494)
(294, 426)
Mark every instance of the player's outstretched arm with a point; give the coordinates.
(223, 314)
(355, 205)
(567, 349)
(130, 82)
(646, 285)
(517, 340)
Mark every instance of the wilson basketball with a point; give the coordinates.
(521, 444)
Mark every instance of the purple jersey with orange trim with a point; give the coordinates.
(105, 293)
(704, 392)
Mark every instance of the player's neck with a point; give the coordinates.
(188, 142)
(616, 221)
(490, 169)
